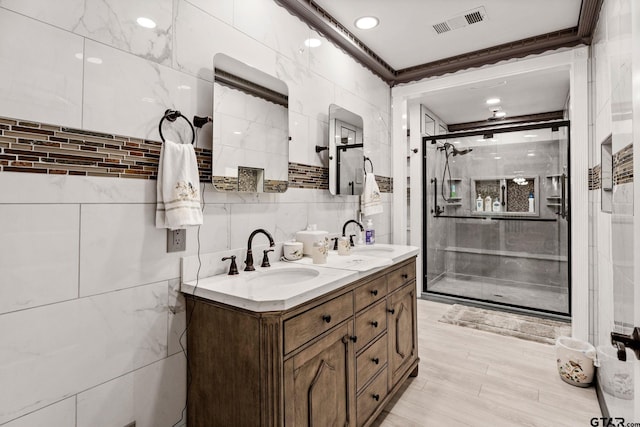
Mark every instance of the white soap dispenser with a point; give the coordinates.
(479, 204)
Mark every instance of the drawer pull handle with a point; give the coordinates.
(326, 318)
(353, 338)
(375, 360)
(374, 292)
(405, 276)
(392, 310)
(376, 397)
(374, 323)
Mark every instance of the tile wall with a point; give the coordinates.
(90, 314)
(611, 234)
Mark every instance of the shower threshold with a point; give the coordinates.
(519, 296)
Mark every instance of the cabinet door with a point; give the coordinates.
(319, 388)
(402, 330)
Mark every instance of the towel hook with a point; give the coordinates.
(172, 116)
(366, 159)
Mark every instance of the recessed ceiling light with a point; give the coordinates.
(146, 22)
(237, 132)
(530, 136)
(480, 140)
(497, 157)
(184, 87)
(531, 154)
(79, 55)
(312, 42)
(499, 114)
(94, 60)
(493, 101)
(367, 22)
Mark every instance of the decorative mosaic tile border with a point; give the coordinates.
(306, 176)
(39, 148)
(595, 174)
(623, 166)
(32, 147)
(622, 169)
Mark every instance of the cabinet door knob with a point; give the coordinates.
(375, 360)
(326, 318)
(353, 338)
(376, 397)
(374, 323)
(392, 310)
(374, 292)
(405, 276)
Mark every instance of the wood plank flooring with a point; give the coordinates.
(474, 378)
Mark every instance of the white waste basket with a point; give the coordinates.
(576, 360)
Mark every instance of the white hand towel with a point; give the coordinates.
(178, 187)
(371, 203)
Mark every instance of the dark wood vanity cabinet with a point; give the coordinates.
(332, 361)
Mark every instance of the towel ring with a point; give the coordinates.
(172, 116)
(366, 159)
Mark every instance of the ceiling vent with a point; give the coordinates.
(465, 19)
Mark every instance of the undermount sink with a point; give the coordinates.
(284, 276)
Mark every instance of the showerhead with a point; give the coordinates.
(461, 152)
(454, 150)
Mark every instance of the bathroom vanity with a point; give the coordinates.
(333, 360)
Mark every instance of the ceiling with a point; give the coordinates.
(406, 47)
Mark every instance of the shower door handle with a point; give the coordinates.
(563, 200)
(502, 198)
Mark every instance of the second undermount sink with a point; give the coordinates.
(284, 276)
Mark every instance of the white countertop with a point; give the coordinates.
(247, 290)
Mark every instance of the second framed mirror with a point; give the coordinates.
(346, 152)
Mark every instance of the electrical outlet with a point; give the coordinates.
(176, 240)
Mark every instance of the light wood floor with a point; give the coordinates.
(475, 378)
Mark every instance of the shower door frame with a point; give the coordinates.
(425, 212)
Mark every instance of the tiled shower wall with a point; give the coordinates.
(611, 233)
(89, 313)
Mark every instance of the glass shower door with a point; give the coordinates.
(496, 217)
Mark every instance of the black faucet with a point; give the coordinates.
(344, 229)
(249, 260)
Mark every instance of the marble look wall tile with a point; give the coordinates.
(281, 220)
(623, 269)
(116, 103)
(112, 22)
(120, 247)
(61, 414)
(272, 26)
(221, 9)
(177, 318)
(199, 36)
(331, 216)
(151, 396)
(301, 146)
(41, 76)
(55, 351)
(36, 188)
(38, 255)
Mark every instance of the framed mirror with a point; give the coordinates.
(346, 152)
(250, 129)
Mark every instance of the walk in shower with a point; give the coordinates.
(496, 218)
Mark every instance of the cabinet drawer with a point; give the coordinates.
(401, 276)
(308, 325)
(370, 292)
(370, 323)
(371, 361)
(371, 397)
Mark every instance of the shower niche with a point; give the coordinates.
(505, 195)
